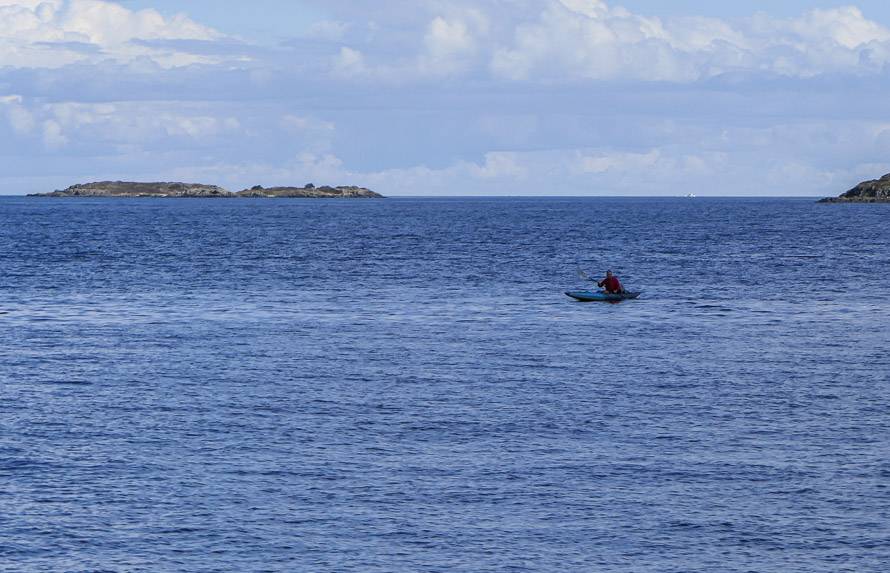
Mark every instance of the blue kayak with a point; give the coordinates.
(601, 296)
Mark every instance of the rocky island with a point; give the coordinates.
(874, 191)
(310, 190)
(198, 190)
(130, 189)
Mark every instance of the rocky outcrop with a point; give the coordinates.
(312, 191)
(875, 191)
(130, 189)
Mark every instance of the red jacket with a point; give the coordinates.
(611, 284)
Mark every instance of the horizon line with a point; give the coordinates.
(615, 196)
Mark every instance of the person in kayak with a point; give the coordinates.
(611, 284)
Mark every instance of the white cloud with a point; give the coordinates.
(53, 137)
(846, 27)
(55, 33)
(120, 123)
(499, 165)
(138, 122)
(551, 40)
(20, 119)
(446, 43)
(349, 63)
(587, 39)
(451, 43)
(572, 40)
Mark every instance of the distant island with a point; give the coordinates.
(198, 190)
(874, 191)
(310, 190)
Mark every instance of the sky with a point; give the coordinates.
(448, 97)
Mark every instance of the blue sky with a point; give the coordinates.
(487, 97)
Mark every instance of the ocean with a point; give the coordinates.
(402, 385)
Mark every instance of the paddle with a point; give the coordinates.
(586, 277)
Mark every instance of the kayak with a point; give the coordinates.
(600, 296)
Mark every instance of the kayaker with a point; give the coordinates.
(611, 284)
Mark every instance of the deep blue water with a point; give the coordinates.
(401, 385)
